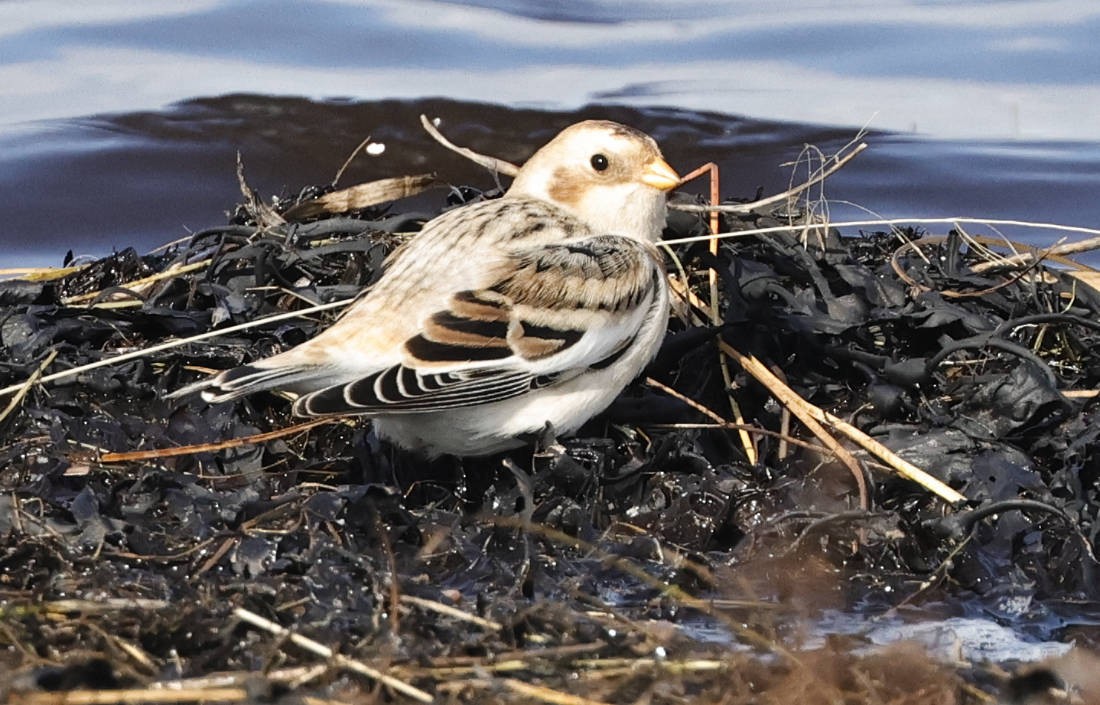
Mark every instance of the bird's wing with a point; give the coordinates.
(550, 312)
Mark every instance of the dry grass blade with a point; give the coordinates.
(791, 399)
(782, 436)
(447, 672)
(132, 696)
(712, 279)
(139, 285)
(546, 695)
(440, 608)
(492, 163)
(145, 352)
(263, 214)
(359, 148)
(361, 196)
(26, 386)
(604, 668)
(715, 207)
(813, 418)
(86, 607)
(38, 274)
(891, 222)
(297, 674)
(325, 652)
(1033, 254)
(838, 451)
(719, 422)
(687, 400)
(255, 438)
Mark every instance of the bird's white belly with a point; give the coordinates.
(486, 429)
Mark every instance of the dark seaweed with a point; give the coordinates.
(962, 373)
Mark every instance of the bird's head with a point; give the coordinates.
(608, 175)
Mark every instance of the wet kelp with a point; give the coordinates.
(655, 556)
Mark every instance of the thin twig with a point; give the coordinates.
(914, 245)
(38, 274)
(715, 316)
(790, 398)
(715, 192)
(789, 193)
(546, 695)
(877, 222)
(838, 451)
(453, 612)
(26, 386)
(349, 160)
(133, 696)
(492, 163)
(144, 352)
(255, 438)
(139, 284)
(1024, 259)
(264, 215)
(325, 652)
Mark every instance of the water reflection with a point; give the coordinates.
(145, 178)
(971, 69)
(1016, 78)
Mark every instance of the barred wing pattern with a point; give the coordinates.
(558, 311)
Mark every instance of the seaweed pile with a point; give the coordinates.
(653, 557)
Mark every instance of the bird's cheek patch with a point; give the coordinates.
(567, 187)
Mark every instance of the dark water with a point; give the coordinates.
(96, 183)
(115, 128)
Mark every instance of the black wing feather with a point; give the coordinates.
(399, 389)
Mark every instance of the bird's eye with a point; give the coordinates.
(599, 162)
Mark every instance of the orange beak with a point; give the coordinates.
(660, 175)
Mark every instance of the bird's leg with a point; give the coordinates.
(478, 475)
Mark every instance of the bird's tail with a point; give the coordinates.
(249, 379)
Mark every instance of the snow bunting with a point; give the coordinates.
(502, 315)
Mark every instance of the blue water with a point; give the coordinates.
(982, 108)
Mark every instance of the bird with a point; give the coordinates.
(502, 317)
